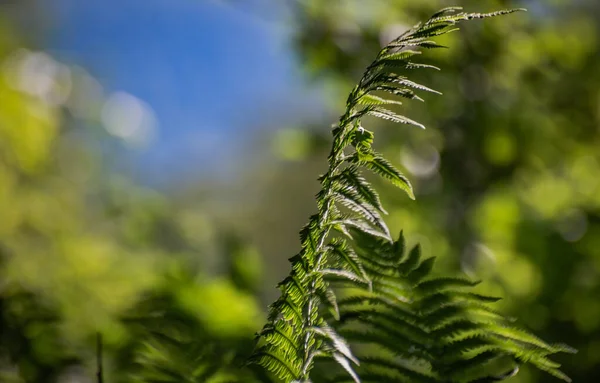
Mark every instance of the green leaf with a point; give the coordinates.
(435, 285)
(445, 11)
(343, 274)
(412, 65)
(393, 89)
(391, 116)
(339, 344)
(399, 248)
(351, 177)
(415, 329)
(414, 256)
(347, 257)
(277, 364)
(363, 227)
(397, 56)
(370, 100)
(422, 270)
(342, 361)
(331, 298)
(382, 167)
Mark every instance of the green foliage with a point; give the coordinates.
(408, 326)
(81, 247)
(418, 328)
(507, 178)
(170, 344)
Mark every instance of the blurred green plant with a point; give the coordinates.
(81, 247)
(181, 332)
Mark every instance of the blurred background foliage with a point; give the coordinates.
(506, 178)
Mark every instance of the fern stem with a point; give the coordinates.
(336, 160)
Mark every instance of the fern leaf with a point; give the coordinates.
(444, 12)
(397, 81)
(411, 263)
(412, 65)
(405, 369)
(369, 100)
(331, 298)
(338, 343)
(347, 257)
(422, 329)
(276, 363)
(391, 116)
(379, 165)
(398, 56)
(422, 270)
(351, 177)
(344, 274)
(346, 365)
(280, 336)
(363, 227)
(354, 200)
(436, 285)
(398, 248)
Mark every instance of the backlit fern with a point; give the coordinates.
(395, 323)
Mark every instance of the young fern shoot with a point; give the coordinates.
(424, 329)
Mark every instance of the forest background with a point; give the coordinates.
(157, 160)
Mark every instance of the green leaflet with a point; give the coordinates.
(331, 298)
(337, 343)
(412, 65)
(351, 283)
(412, 262)
(399, 56)
(379, 165)
(445, 11)
(346, 365)
(351, 177)
(349, 196)
(391, 116)
(346, 257)
(369, 99)
(387, 79)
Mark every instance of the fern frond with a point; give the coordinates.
(437, 324)
(411, 327)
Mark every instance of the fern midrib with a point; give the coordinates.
(326, 202)
(335, 161)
